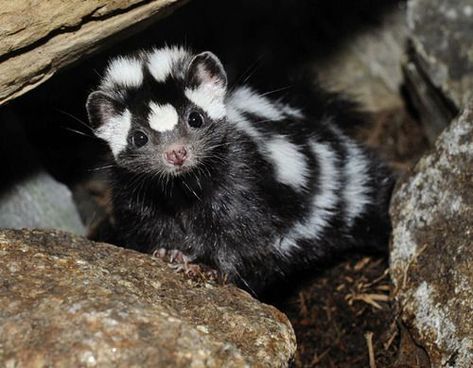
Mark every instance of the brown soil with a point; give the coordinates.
(334, 315)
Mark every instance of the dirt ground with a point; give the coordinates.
(343, 315)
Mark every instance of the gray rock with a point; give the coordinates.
(39, 201)
(442, 36)
(440, 70)
(432, 248)
(66, 301)
(29, 196)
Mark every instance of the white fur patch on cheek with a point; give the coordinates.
(290, 164)
(126, 72)
(115, 132)
(208, 98)
(162, 118)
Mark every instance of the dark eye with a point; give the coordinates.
(195, 120)
(139, 139)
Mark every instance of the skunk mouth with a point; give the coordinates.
(179, 170)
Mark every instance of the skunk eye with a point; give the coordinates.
(139, 139)
(195, 120)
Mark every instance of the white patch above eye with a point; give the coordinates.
(245, 99)
(115, 132)
(124, 71)
(208, 98)
(290, 164)
(162, 62)
(162, 118)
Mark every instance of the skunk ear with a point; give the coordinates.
(101, 107)
(206, 69)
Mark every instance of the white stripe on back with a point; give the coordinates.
(356, 191)
(236, 117)
(289, 163)
(324, 202)
(245, 99)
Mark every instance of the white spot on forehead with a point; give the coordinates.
(162, 118)
(115, 132)
(124, 71)
(290, 164)
(162, 62)
(323, 204)
(247, 100)
(208, 98)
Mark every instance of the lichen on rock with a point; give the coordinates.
(432, 247)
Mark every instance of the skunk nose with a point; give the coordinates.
(176, 154)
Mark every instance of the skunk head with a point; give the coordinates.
(162, 112)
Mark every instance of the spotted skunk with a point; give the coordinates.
(253, 187)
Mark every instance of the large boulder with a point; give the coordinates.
(440, 68)
(66, 301)
(432, 248)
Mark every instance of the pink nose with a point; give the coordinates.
(176, 155)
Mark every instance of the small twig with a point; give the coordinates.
(361, 263)
(371, 299)
(304, 311)
(378, 279)
(369, 342)
(406, 271)
(318, 358)
(388, 343)
(384, 288)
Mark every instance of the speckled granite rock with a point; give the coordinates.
(69, 302)
(432, 248)
(442, 35)
(440, 70)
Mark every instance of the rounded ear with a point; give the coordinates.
(101, 107)
(206, 69)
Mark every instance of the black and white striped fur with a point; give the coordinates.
(266, 187)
